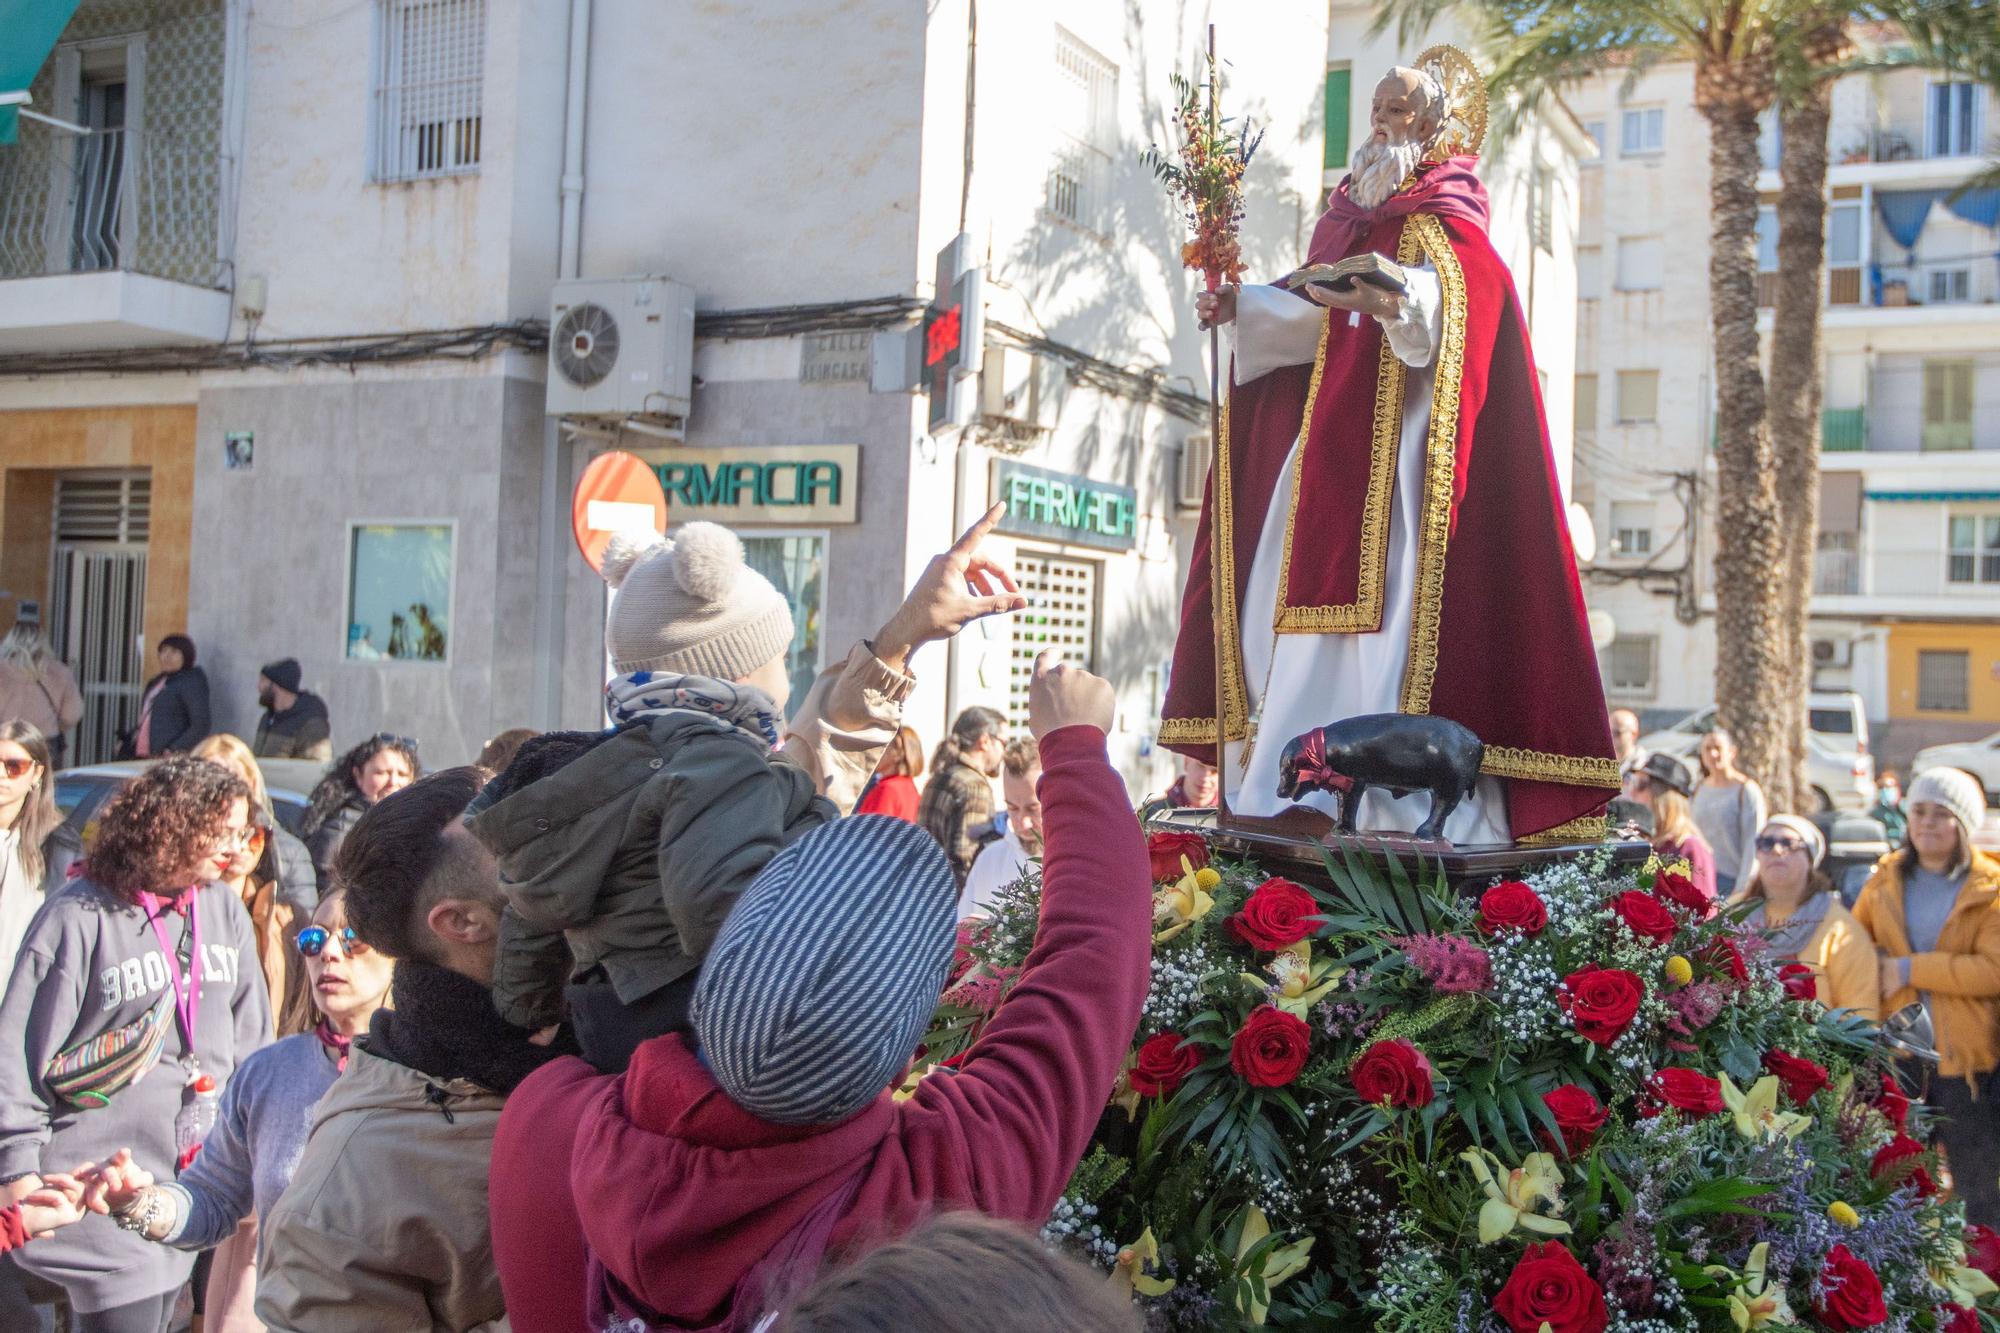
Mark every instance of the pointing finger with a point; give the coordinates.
(975, 534)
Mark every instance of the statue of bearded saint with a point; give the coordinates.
(1385, 531)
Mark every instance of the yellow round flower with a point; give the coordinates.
(1679, 970)
(1844, 1214)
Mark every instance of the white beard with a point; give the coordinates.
(1376, 170)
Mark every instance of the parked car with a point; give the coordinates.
(1854, 845)
(1838, 765)
(82, 792)
(1979, 758)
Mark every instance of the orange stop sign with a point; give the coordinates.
(616, 493)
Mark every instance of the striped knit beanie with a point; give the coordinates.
(825, 975)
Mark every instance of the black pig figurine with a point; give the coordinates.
(1398, 752)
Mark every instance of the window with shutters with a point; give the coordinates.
(1339, 110)
(104, 508)
(1641, 263)
(1643, 131)
(1972, 554)
(1061, 614)
(1952, 123)
(1638, 396)
(1085, 109)
(1586, 405)
(1944, 680)
(430, 58)
(1627, 666)
(1947, 405)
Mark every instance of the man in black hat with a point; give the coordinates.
(295, 724)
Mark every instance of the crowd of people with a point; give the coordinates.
(612, 1030)
(1924, 930)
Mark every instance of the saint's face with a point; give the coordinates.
(1398, 112)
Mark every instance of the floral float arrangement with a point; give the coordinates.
(1579, 1101)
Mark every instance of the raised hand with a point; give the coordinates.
(1061, 696)
(956, 588)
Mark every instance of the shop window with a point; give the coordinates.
(1628, 666)
(796, 566)
(1944, 680)
(1061, 614)
(430, 58)
(1974, 552)
(399, 583)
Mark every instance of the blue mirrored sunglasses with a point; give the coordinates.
(312, 941)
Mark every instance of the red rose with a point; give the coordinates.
(1601, 1001)
(1646, 916)
(1724, 956)
(1687, 1090)
(1959, 1319)
(1853, 1293)
(1549, 1288)
(1900, 1162)
(1682, 893)
(1394, 1072)
(1801, 1077)
(1162, 1063)
(1167, 849)
(1798, 981)
(1276, 916)
(1578, 1115)
(1269, 1049)
(1892, 1102)
(1982, 1250)
(1512, 906)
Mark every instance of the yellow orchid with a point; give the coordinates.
(1129, 1273)
(1283, 1262)
(1756, 1301)
(1756, 1112)
(1965, 1284)
(1180, 905)
(1296, 983)
(1511, 1195)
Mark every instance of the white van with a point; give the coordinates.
(1838, 765)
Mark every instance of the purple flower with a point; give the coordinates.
(1452, 965)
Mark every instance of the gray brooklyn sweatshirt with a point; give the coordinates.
(91, 962)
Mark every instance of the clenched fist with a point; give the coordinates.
(1065, 696)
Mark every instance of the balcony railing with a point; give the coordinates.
(1907, 571)
(1836, 573)
(112, 199)
(1843, 429)
(1965, 281)
(1843, 287)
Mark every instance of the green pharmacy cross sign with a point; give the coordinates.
(1065, 507)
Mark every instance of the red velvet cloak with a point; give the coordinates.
(1499, 641)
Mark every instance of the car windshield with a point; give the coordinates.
(1833, 721)
(1699, 725)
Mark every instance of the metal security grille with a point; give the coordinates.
(1061, 614)
(1085, 108)
(1944, 681)
(430, 66)
(97, 607)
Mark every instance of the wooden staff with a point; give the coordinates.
(1213, 277)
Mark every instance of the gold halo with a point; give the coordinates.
(1464, 127)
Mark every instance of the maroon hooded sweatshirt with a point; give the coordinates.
(679, 1193)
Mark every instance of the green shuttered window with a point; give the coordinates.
(1339, 96)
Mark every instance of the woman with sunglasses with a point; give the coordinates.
(36, 847)
(286, 861)
(364, 775)
(1800, 912)
(135, 998)
(261, 1128)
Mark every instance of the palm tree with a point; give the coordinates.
(1766, 444)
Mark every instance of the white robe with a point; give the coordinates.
(1322, 678)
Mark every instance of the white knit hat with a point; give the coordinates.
(1806, 831)
(691, 606)
(1954, 789)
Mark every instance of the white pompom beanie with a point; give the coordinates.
(691, 606)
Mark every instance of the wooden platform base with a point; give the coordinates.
(1293, 843)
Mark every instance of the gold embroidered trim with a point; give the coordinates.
(1590, 828)
(1187, 731)
(1506, 761)
(1441, 464)
(1364, 614)
(1222, 594)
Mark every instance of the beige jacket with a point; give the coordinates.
(51, 700)
(848, 717)
(383, 1228)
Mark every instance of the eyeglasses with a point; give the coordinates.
(313, 941)
(246, 836)
(408, 744)
(1779, 846)
(16, 768)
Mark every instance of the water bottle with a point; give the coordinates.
(200, 1098)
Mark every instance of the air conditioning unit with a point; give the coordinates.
(1019, 388)
(622, 349)
(1191, 476)
(1833, 652)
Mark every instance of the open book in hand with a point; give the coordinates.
(1372, 269)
